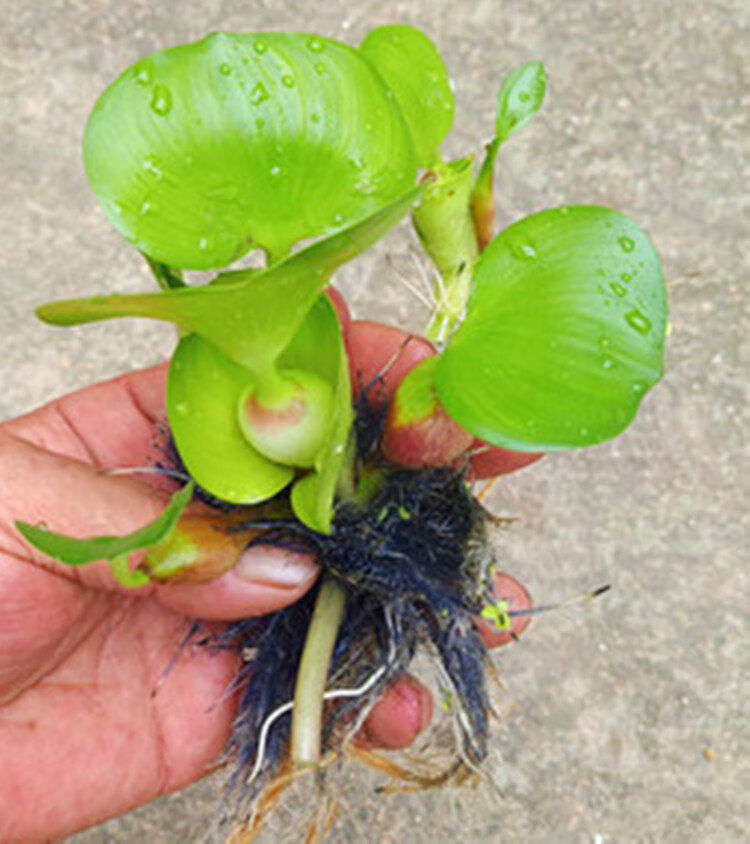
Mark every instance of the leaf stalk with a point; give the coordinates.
(312, 674)
(444, 225)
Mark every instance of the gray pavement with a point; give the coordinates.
(623, 721)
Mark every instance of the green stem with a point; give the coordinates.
(312, 674)
(482, 198)
(445, 228)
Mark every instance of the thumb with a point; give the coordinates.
(263, 580)
(74, 498)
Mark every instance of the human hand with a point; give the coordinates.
(82, 737)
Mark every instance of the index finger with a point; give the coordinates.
(108, 425)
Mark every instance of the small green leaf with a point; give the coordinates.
(321, 346)
(201, 152)
(252, 319)
(202, 392)
(413, 70)
(115, 549)
(564, 333)
(520, 98)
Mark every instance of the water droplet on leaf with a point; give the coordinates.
(523, 250)
(315, 45)
(161, 100)
(287, 80)
(225, 69)
(260, 47)
(150, 165)
(627, 244)
(143, 77)
(639, 321)
(259, 94)
(275, 170)
(626, 277)
(618, 289)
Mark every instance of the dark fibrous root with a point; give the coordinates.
(415, 565)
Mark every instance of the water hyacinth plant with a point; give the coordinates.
(544, 337)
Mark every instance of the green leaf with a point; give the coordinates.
(415, 399)
(79, 552)
(564, 334)
(520, 98)
(202, 392)
(320, 346)
(252, 319)
(411, 66)
(202, 152)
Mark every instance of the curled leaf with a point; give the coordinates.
(202, 392)
(321, 346)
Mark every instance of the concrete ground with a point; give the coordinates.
(626, 720)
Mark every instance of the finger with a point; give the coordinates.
(265, 579)
(342, 310)
(375, 349)
(68, 497)
(382, 355)
(399, 716)
(511, 590)
(109, 425)
(74, 499)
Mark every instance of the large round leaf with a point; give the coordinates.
(200, 152)
(564, 333)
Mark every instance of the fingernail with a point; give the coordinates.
(275, 567)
